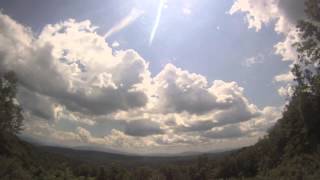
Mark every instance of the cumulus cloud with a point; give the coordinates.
(285, 14)
(256, 126)
(80, 70)
(241, 110)
(38, 104)
(181, 91)
(72, 82)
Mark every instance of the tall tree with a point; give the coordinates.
(307, 69)
(10, 112)
(305, 103)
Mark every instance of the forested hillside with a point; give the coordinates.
(290, 150)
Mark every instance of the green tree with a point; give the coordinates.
(307, 69)
(102, 174)
(10, 112)
(307, 72)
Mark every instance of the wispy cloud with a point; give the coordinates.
(126, 21)
(249, 62)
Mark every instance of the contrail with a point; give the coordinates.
(156, 25)
(133, 16)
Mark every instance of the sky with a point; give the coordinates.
(150, 76)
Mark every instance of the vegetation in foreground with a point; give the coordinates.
(291, 150)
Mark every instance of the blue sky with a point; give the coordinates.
(199, 37)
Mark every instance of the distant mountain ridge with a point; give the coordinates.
(114, 151)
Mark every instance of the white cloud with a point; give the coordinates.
(115, 44)
(181, 91)
(285, 48)
(286, 77)
(249, 62)
(80, 70)
(257, 12)
(70, 75)
(287, 88)
(284, 14)
(286, 91)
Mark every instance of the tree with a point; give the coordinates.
(307, 71)
(10, 112)
(102, 174)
